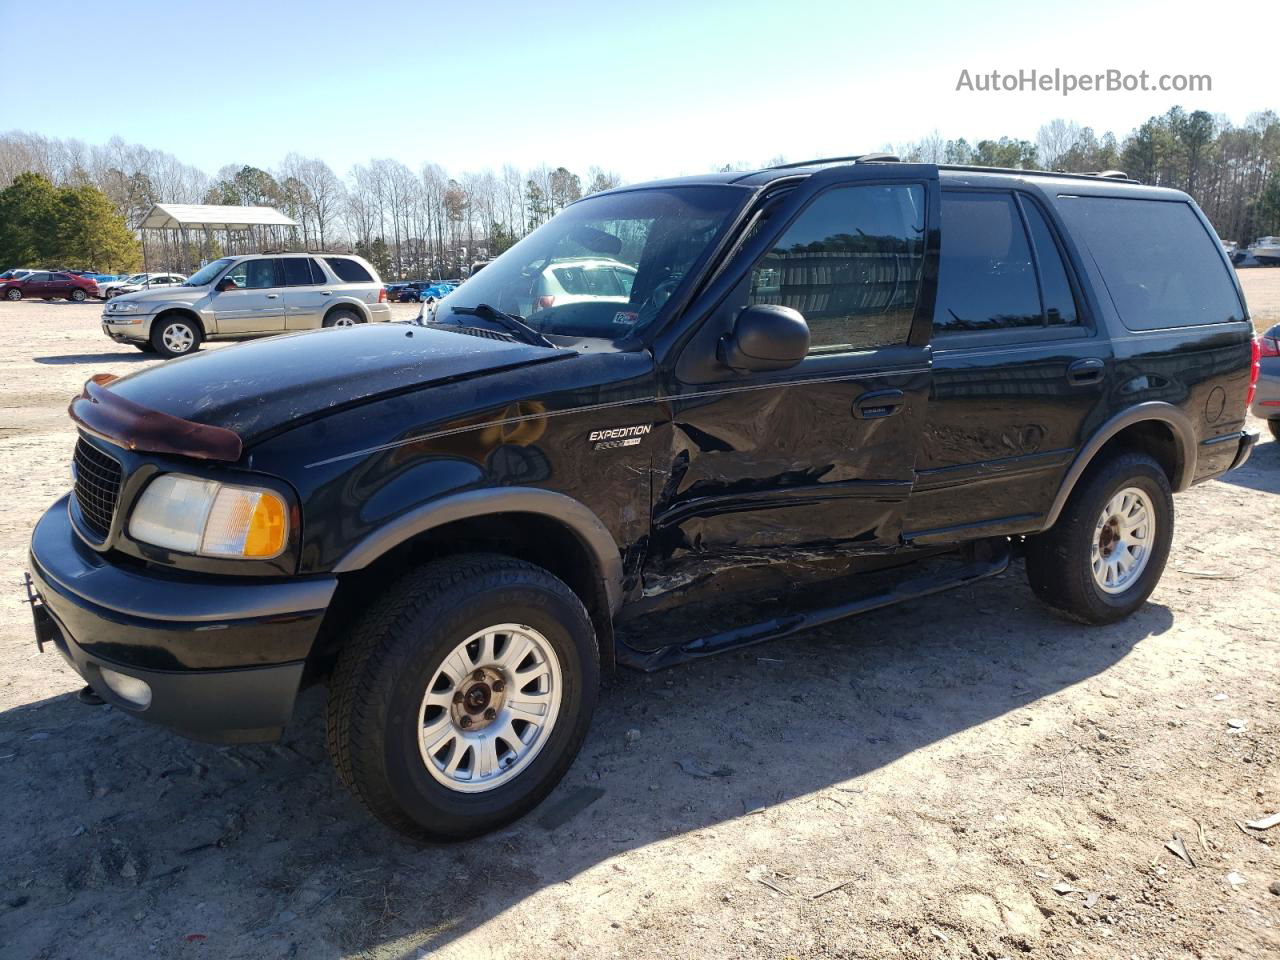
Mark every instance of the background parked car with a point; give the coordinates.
(573, 281)
(49, 285)
(1266, 402)
(15, 274)
(424, 291)
(143, 281)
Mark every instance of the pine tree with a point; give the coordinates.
(27, 221)
(90, 233)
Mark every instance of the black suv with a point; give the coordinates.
(830, 387)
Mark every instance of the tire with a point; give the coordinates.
(342, 318)
(175, 336)
(1274, 427)
(78, 295)
(392, 663)
(13, 293)
(1061, 561)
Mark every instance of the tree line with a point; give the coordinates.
(430, 222)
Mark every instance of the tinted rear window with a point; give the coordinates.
(297, 271)
(1160, 265)
(348, 270)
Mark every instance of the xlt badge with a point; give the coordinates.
(618, 437)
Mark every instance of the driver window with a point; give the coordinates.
(851, 264)
(254, 274)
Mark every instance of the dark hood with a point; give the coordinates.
(255, 387)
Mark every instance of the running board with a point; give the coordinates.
(991, 559)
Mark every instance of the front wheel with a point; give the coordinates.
(1106, 553)
(175, 336)
(1274, 427)
(463, 696)
(13, 293)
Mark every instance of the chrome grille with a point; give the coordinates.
(97, 487)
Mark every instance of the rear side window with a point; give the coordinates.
(297, 271)
(348, 270)
(986, 278)
(851, 264)
(1055, 288)
(1160, 266)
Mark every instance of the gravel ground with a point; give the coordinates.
(966, 776)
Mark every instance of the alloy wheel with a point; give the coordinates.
(490, 708)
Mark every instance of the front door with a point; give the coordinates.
(790, 476)
(256, 303)
(37, 285)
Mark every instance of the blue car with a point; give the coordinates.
(423, 291)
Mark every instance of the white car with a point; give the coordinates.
(582, 279)
(142, 281)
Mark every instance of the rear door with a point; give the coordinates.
(1020, 371)
(787, 470)
(256, 305)
(305, 296)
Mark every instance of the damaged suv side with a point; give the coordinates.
(820, 389)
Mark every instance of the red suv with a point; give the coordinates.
(47, 285)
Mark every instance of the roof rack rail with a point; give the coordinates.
(1108, 174)
(855, 158)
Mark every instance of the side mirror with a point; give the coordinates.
(226, 283)
(765, 337)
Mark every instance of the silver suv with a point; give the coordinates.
(249, 296)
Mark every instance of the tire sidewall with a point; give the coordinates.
(412, 786)
(1150, 479)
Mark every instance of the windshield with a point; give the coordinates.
(205, 274)
(605, 266)
(137, 278)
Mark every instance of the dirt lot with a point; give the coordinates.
(911, 784)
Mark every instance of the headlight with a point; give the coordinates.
(127, 307)
(212, 519)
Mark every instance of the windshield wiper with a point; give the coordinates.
(512, 324)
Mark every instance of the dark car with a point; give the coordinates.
(829, 388)
(425, 291)
(1266, 402)
(49, 285)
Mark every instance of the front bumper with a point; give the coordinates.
(128, 332)
(223, 657)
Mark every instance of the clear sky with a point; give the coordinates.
(646, 88)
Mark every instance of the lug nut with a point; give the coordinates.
(478, 675)
(464, 722)
(498, 686)
(490, 713)
(457, 697)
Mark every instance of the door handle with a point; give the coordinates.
(325, 293)
(272, 296)
(1082, 373)
(878, 404)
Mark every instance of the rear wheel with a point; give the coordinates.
(78, 295)
(1106, 553)
(175, 336)
(342, 318)
(463, 696)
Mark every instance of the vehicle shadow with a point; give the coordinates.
(1261, 472)
(260, 851)
(69, 359)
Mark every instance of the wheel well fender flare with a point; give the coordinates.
(572, 514)
(1176, 420)
(351, 305)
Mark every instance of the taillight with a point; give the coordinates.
(546, 303)
(1268, 347)
(382, 295)
(1255, 370)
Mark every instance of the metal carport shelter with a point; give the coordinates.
(222, 229)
